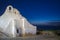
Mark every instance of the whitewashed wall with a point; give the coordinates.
(12, 20)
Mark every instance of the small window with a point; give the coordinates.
(15, 12)
(9, 8)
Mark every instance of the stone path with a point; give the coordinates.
(38, 37)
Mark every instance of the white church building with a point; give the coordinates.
(12, 23)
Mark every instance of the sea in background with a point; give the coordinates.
(45, 27)
(48, 26)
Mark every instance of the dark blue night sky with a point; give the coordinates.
(35, 11)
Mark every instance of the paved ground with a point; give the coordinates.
(38, 37)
